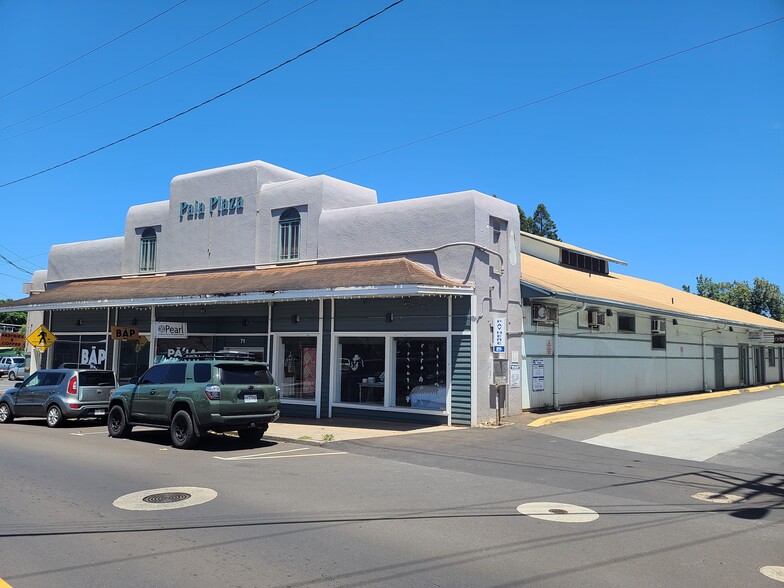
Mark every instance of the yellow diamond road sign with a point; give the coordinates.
(41, 338)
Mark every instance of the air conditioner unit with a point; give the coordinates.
(544, 314)
(658, 326)
(595, 318)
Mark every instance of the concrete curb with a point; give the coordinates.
(563, 417)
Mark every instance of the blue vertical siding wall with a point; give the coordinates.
(461, 380)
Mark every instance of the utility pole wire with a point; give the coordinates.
(552, 96)
(91, 51)
(209, 100)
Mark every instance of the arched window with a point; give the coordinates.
(288, 235)
(147, 251)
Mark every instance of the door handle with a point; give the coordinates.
(152, 392)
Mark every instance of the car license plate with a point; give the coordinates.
(250, 398)
(100, 412)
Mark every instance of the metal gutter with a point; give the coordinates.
(355, 292)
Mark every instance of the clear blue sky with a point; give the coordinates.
(677, 168)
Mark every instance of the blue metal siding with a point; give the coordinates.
(381, 415)
(300, 411)
(326, 367)
(461, 380)
(461, 313)
(422, 313)
(306, 311)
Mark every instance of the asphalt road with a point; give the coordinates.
(427, 509)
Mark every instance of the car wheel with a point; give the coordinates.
(250, 434)
(183, 434)
(11, 376)
(54, 416)
(117, 423)
(6, 416)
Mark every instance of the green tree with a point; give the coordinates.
(13, 318)
(526, 222)
(762, 297)
(542, 224)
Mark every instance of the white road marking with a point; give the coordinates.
(558, 512)
(277, 455)
(260, 454)
(90, 433)
(773, 572)
(703, 435)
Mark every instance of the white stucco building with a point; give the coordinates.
(384, 310)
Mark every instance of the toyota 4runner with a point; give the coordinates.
(201, 392)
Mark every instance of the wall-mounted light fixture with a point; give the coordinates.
(244, 322)
(674, 321)
(730, 329)
(78, 322)
(609, 312)
(294, 318)
(390, 317)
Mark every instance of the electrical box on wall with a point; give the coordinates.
(500, 371)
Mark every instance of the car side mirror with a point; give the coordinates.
(18, 384)
(134, 380)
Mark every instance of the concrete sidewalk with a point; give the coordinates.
(320, 431)
(582, 413)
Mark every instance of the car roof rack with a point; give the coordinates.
(218, 355)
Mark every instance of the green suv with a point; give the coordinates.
(199, 393)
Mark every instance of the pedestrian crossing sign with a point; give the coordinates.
(41, 338)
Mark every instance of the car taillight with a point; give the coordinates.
(74, 406)
(72, 385)
(213, 392)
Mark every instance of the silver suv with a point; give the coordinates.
(58, 395)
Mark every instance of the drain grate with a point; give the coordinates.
(166, 497)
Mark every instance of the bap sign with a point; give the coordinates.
(125, 333)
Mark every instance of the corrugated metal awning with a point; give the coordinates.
(388, 277)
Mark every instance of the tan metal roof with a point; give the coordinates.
(220, 285)
(563, 245)
(623, 289)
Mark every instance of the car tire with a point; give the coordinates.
(54, 416)
(183, 434)
(250, 435)
(11, 376)
(6, 416)
(117, 423)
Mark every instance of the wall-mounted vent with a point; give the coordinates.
(544, 314)
(658, 326)
(595, 318)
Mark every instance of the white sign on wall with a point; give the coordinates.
(537, 374)
(499, 335)
(170, 330)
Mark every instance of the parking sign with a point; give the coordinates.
(499, 335)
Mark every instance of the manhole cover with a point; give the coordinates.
(166, 497)
(558, 512)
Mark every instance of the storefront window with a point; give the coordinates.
(134, 360)
(79, 351)
(361, 370)
(298, 368)
(420, 373)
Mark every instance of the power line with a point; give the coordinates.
(552, 96)
(209, 100)
(144, 85)
(146, 65)
(91, 51)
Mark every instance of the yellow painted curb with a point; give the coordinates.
(613, 408)
(3, 584)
